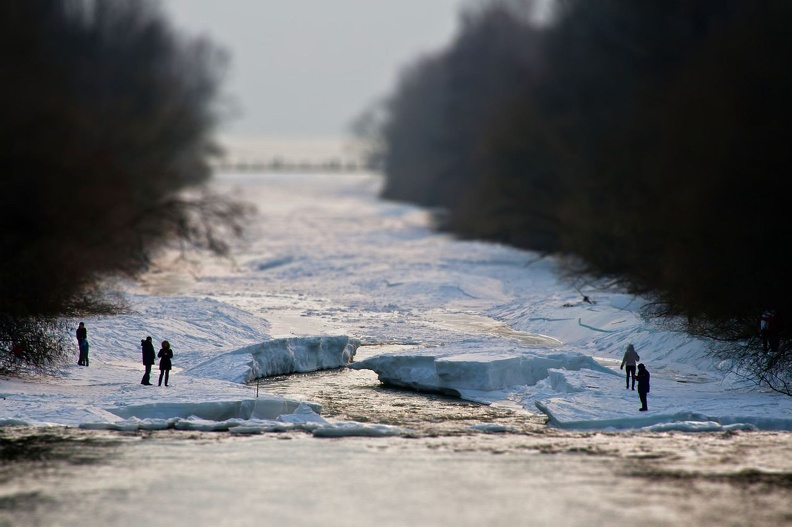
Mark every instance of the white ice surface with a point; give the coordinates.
(325, 268)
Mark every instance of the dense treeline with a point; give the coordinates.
(107, 116)
(642, 142)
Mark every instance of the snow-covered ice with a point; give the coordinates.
(325, 268)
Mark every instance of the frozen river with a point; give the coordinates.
(445, 473)
(329, 259)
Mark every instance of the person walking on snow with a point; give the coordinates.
(149, 356)
(630, 359)
(643, 386)
(165, 354)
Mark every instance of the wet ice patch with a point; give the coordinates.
(355, 429)
(699, 426)
(269, 407)
(493, 428)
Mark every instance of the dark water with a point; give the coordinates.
(358, 395)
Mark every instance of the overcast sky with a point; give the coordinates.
(307, 68)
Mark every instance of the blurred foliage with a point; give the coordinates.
(644, 143)
(36, 345)
(107, 121)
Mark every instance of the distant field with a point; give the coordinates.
(295, 153)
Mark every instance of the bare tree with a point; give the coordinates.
(105, 145)
(642, 139)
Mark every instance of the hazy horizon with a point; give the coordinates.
(305, 71)
(268, 148)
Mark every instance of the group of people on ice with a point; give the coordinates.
(769, 332)
(636, 372)
(165, 355)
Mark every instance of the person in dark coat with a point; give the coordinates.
(769, 330)
(82, 344)
(643, 386)
(165, 354)
(149, 356)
